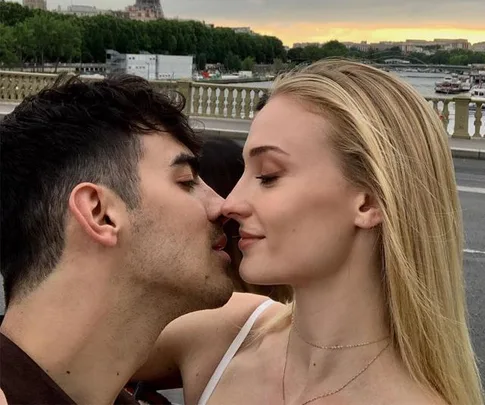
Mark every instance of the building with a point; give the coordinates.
(243, 30)
(394, 61)
(145, 10)
(83, 11)
(423, 46)
(412, 45)
(40, 4)
(479, 47)
(362, 46)
(305, 44)
(450, 44)
(149, 66)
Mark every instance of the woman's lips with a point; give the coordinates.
(248, 239)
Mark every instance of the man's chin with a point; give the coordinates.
(217, 295)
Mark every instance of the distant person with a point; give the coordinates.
(349, 196)
(221, 167)
(107, 235)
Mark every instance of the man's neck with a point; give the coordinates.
(90, 336)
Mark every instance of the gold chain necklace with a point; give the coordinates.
(335, 347)
(337, 390)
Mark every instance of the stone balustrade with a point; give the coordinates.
(461, 116)
(223, 101)
(464, 113)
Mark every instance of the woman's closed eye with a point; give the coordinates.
(267, 179)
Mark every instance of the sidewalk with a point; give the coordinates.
(468, 148)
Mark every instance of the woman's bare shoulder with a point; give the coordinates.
(198, 339)
(200, 327)
(211, 328)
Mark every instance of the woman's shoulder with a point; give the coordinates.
(201, 338)
(195, 342)
(222, 324)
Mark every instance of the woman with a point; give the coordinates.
(348, 195)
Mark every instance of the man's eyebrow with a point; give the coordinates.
(186, 159)
(264, 149)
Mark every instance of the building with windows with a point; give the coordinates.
(479, 47)
(305, 44)
(149, 66)
(145, 10)
(83, 11)
(40, 4)
(413, 45)
(243, 30)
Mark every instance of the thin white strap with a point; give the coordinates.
(231, 352)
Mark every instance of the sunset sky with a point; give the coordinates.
(322, 20)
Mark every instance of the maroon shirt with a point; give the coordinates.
(25, 383)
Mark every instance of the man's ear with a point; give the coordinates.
(94, 209)
(368, 212)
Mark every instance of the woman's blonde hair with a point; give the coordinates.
(392, 143)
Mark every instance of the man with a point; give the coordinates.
(107, 235)
(261, 103)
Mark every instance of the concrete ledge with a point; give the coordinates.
(223, 133)
(468, 153)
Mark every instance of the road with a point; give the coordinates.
(470, 175)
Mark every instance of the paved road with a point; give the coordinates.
(470, 175)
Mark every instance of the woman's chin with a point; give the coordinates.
(260, 276)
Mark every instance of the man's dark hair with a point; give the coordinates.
(221, 164)
(76, 131)
(262, 102)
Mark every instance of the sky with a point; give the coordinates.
(322, 20)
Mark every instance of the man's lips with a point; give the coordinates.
(220, 243)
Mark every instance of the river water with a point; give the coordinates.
(424, 84)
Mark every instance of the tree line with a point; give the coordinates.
(36, 36)
(462, 57)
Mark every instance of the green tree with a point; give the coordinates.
(372, 54)
(295, 54)
(248, 63)
(7, 46)
(458, 59)
(24, 46)
(65, 42)
(334, 48)
(14, 13)
(201, 61)
(312, 53)
(232, 62)
(104, 32)
(278, 66)
(355, 53)
(440, 58)
(43, 28)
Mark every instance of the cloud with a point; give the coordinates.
(308, 20)
(325, 11)
(314, 11)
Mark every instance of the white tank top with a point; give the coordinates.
(231, 352)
